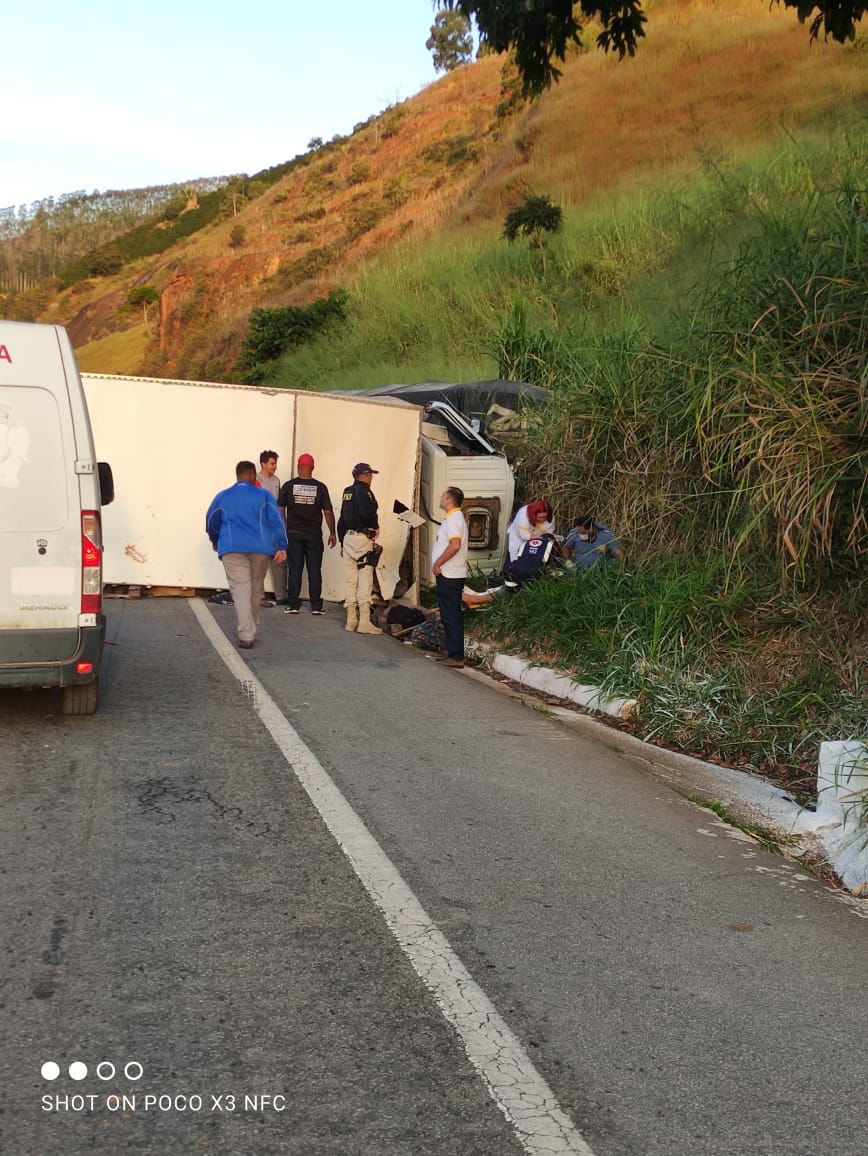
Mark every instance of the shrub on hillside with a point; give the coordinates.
(453, 151)
(308, 265)
(272, 332)
(105, 261)
(363, 218)
(360, 171)
(390, 122)
(317, 214)
(175, 207)
(395, 193)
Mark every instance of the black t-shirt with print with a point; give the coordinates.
(304, 499)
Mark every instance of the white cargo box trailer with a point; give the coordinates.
(177, 443)
(174, 444)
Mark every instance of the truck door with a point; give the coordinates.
(40, 526)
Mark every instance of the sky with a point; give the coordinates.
(112, 94)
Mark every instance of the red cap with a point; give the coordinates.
(306, 460)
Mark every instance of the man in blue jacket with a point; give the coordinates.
(246, 530)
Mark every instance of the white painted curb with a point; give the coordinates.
(556, 685)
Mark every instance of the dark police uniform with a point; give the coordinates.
(358, 511)
(356, 524)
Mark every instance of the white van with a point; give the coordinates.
(52, 627)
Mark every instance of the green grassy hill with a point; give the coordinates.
(711, 83)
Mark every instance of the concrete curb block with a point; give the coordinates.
(562, 686)
(842, 784)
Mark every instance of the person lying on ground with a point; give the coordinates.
(590, 541)
(530, 521)
(477, 598)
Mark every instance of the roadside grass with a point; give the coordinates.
(730, 453)
(856, 801)
(705, 348)
(692, 647)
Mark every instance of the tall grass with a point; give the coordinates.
(748, 427)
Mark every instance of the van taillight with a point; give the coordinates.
(91, 563)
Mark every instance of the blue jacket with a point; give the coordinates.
(245, 520)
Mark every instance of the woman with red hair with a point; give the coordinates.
(531, 521)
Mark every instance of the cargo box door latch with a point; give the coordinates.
(84, 467)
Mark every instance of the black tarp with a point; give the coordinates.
(472, 398)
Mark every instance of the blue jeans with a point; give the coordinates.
(301, 551)
(451, 614)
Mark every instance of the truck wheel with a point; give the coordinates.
(80, 699)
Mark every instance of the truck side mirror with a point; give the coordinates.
(106, 484)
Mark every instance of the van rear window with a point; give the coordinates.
(33, 465)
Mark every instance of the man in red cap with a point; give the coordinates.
(305, 502)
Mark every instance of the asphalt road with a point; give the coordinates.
(171, 899)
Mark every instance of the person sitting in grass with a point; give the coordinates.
(588, 542)
(538, 555)
(529, 522)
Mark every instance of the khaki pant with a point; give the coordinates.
(277, 570)
(360, 582)
(245, 574)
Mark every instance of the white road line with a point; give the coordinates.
(515, 1085)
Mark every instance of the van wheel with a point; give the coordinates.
(80, 699)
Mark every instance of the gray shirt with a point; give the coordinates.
(271, 484)
(587, 553)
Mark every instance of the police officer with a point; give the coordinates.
(358, 528)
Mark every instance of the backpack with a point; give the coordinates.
(429, 635)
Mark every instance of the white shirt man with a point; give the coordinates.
(449, 563)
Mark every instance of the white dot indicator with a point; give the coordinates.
(50, 1071)
(78, 1070)
(105, 1070)
(133, 1070)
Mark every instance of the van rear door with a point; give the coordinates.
(40, 506)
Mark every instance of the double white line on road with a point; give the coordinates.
(517, 1088)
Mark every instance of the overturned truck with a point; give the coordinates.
(174, 444)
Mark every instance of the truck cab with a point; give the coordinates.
(454, 453)
(458, 420)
